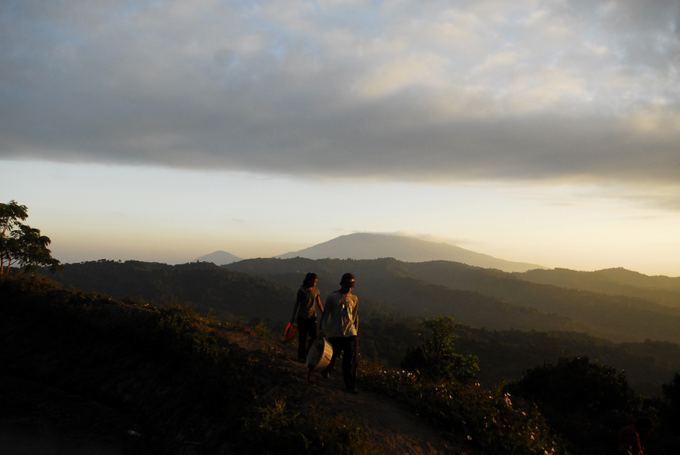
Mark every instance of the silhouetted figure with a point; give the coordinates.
(307, 303)
(340, 323)
(630, 437)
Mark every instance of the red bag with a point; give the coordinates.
(289, 332)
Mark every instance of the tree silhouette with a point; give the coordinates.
(436, 357)
(21, 245)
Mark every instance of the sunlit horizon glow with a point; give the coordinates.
(127, 212)
(543, 132)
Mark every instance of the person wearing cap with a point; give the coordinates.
(340, 323)
(307, 303)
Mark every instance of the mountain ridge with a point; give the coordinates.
(219, 257)
(660, 289)
(365, 245)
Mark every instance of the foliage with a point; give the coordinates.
(671, 393)
(487, 419)
(20, 244)
(482, 297)
(584, 401)
(665, 438)
(436, 358)
(385, 336)
(167, 374)
(577, 384)
(279, 427)
(202, 286)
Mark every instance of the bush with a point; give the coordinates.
(166, 373)
(490, 419)
(586, 402)
(436, 358)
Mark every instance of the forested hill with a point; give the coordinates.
(202, 285)
(417, 285)
(393, 303)
(663, 290)
(104, 376)
(239, 292)
(132, 377)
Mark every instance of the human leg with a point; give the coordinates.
(350, 362)
(303, 329)
(311, 333)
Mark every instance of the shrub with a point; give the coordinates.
(584, 401)
(436, 357)
(490, 419)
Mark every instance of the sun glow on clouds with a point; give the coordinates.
(439, 117)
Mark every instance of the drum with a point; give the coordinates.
(319, 355)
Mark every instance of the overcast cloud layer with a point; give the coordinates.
(415, 90)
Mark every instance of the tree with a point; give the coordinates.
(21, 245)
(436, 357)
(671, 393)
(586, 402)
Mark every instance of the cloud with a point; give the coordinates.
(397, 90)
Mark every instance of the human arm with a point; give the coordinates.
(326, 315)
(296, 307)
(319, 304)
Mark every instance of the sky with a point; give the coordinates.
(537, 131)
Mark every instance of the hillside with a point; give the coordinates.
(383, 287)
(204, 286)
(219, 258)
(236, 290)
(386, 292)
(403, 248)
(662, 290)
(127, 377)
(618, 318)
(482, 297)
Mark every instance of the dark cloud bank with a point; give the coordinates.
(253, 89)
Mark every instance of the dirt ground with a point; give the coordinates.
(394, 428)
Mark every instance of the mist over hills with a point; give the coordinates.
(219, 257)
(482, 297)
(663, 290)
(404, 248)
(240, 290)
(507, 334)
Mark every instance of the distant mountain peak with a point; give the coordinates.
(219, 257)
(368, 245)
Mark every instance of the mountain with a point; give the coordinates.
(238, 290)
(219, 258)
(616, 317)
(482, 297)
(394, 299)
(384, 287)
(404, 248)
(206, 287)
(101, 376)
(618, 281)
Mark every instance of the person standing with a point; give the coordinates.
(340, 323)
(307, 303)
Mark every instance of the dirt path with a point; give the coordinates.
(393, 427)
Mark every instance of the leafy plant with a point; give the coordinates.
(584, 401)
(436, 357)
(488, 419)
(20, 244)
